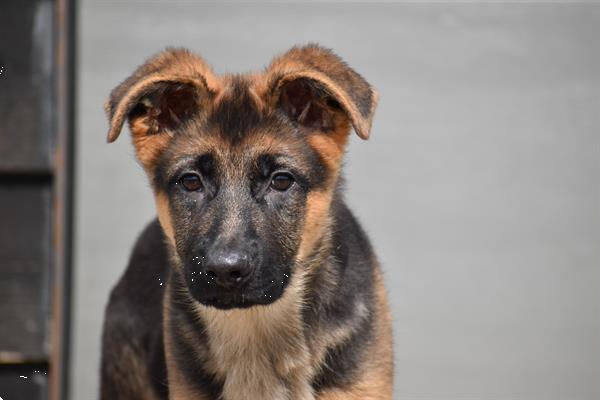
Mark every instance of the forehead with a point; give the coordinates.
(238, 110)
(239, 128)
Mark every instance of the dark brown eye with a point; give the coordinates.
(281, 182)
(191, 182)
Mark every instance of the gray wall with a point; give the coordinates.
(480, 186)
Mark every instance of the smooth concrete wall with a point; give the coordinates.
(480, 187)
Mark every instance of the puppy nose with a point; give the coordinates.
(230, 269)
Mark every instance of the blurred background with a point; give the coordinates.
(480, 187)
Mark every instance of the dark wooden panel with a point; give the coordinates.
(23, 382)
(26, 88)
(25, 267)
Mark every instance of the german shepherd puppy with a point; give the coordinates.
(256, 282)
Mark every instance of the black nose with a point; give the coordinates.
(230, 269)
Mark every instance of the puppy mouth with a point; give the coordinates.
(229, 301)
(226, 301)
(212, 295)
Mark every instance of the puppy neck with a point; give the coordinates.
(258, 352)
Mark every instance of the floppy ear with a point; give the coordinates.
(318, 90)
(158, 97)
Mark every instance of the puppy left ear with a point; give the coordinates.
(318, 90)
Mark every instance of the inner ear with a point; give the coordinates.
(307, 103)
(166, 107)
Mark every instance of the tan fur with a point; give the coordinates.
(256, 91)
(164, 216)
(317, 208)
(331, 148)
(147, 147)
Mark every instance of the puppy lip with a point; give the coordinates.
(229, 302)
(236, 299)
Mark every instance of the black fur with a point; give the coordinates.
(352, 264)
(134, 316)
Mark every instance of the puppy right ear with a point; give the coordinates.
(158, 97)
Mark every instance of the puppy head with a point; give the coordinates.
(243, 167)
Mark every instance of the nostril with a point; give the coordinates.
(235, 276)
(211, 274)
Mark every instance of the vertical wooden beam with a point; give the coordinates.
(63, 199)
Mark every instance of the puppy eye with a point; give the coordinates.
(191, 182)
(281, 182)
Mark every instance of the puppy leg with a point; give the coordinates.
(124, 374)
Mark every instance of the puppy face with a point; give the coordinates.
(243, 167)
(236, 190)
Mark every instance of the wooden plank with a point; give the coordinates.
(63, 200)
(26, 85)
(25, 269)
